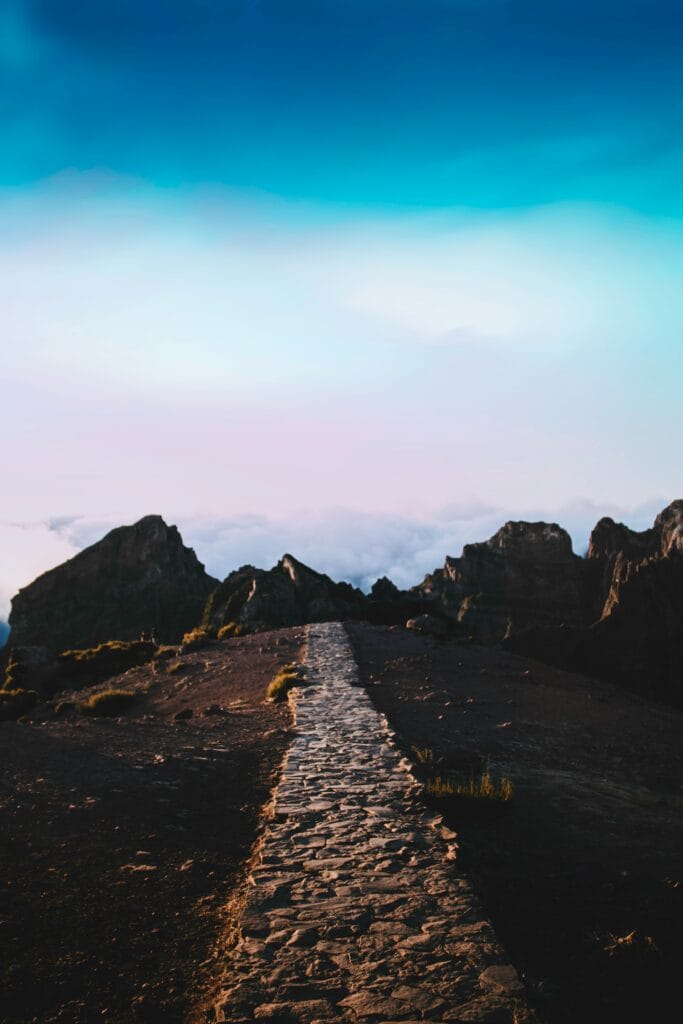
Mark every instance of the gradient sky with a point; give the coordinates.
(282, 259)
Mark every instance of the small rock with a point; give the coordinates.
(428, 624)
(501, 978)
(305, 937)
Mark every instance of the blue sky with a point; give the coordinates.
(282, 259)
(481, 103)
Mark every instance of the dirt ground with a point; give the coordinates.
(581, 873)
(122, 839)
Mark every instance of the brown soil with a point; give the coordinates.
(122, 838)
(581, 872)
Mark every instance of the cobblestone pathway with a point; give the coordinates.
(356, 910)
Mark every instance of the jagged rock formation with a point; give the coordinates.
(289, 594)
(636, 636)
(137, 578)
(526, 574)
(617, 614)
(614, 547)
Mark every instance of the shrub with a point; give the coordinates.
(95, 664)
(282, 683)
(15, 703)
(196, 639)
(163, 652)
(108, 703)
(231, 629)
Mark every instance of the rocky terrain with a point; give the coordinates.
(616, 614)
(581, 873)
(634, 633)
(123, 838)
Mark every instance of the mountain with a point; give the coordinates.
(289, 594)
(136, 579)
(526, 574)
(616, 614)
(635, 586)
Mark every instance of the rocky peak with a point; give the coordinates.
(526, 573)
(609, 539)
(137, 578)
(546, 540)
(613, 548)
(384, 590)
(289, 594)
(635, 633)
(669, 528)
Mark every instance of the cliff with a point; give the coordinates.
(636, 636)
(526, 574)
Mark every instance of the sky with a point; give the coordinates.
(359, 278)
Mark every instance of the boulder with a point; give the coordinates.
(431, 625)
(137, 579)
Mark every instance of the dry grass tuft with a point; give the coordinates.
(108, 703)
(231, 629)
(476, 790)
(485, 787)
(283, 682)
(196, 639)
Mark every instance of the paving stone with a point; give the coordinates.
(357, 911)
(372, 1004)
(501, 978)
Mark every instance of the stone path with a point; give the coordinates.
(355, 910)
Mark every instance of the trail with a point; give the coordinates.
(357, 910)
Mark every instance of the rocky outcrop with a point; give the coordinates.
(289, 594)
(614, 547)
(636, 636)
(138, 578)
(526, 574)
